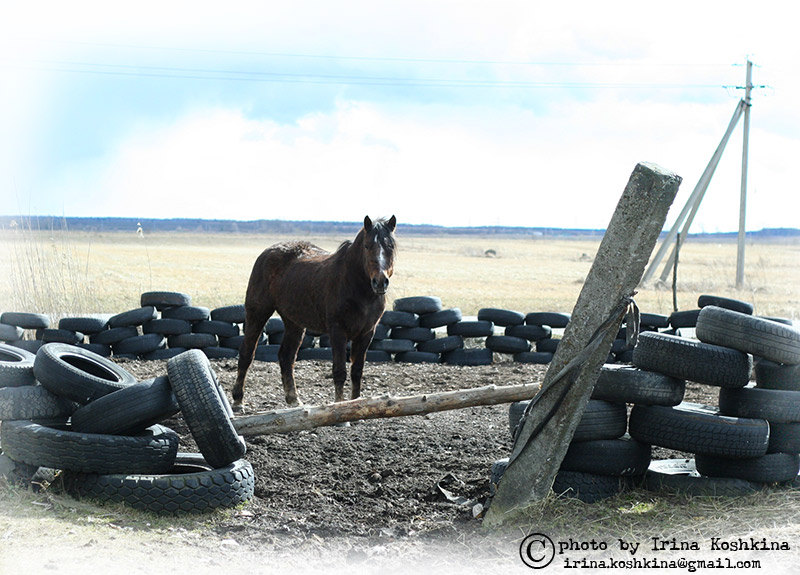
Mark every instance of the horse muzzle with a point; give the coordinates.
(380, 284)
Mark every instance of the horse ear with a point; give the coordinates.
(391, 223)
(367, 224)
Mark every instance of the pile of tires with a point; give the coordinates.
(752, 437)
(75, 411)
(602, 459)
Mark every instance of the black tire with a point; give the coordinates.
(266, 353)
(205, 408)
(220, 352)
(623, 456)
(471, 328)
(129, 410)
(167, 326)
(229, 313)
(274, 325)
(376, 356)
(393, 345)
(440, 318)
(394, 318)
(748, 334)
(784, 438)
(653, 320)
(86, 325)
(755, 402)
(191, 486)
(216, 327)
(33, 402)
(381, 332)
(727, 303)
(685, 318)
(10, 332)
(29, 345)
(588, 487)
(78, 374)
(315, 353)
(772, 375)
(469, 357)
(536, 357)
(114, 335)
(415, 334)
(152, 451)
(98, 348)
(417, 357)
(507, 344)
(549, 345)
(141, 344)
(164, 299)
(769, 468)
(694, 428)
(442, 344)
(692, 360)
(52, 335)
(600, 420)
(501, 317)
(193, 340)
(680, 476)
(548, 318)
(186, 312)
(530, 332)
(25, 320)
(418, 304)
(164, 353)
(16, 366)
(626, 384)
(133, 317)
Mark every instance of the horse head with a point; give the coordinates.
(379, 252)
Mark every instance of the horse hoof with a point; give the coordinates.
(237, 407)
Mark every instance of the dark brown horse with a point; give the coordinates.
(341, 294)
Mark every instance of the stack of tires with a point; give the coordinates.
(753, 437)
(410, 331)
(602, 460)
(70, 409)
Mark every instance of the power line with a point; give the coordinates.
(129, 70)
(479, 61)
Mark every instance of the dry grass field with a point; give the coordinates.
(64, 273)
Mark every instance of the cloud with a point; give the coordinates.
(427, 164)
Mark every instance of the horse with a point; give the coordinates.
(342, 294)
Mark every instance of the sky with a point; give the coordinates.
(455, 113)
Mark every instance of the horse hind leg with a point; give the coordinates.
(287, 355)
(256, 316)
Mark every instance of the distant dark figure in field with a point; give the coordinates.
(341, 294)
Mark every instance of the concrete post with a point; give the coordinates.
(615, 273)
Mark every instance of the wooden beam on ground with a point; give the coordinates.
(309, 417)
(547, 429)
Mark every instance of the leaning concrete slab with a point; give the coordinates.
(618, 267)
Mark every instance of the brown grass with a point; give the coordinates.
(106, 272)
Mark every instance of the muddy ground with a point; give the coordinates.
(376, 479)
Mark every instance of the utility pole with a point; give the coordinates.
(743, 197)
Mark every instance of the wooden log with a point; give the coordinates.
(547, 430)
(309, 417)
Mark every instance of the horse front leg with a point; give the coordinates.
(358, 355)
(287, 355)
(339, 348)
(257, 314)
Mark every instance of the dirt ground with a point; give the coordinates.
(371, 497)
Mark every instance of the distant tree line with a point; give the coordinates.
(304, 227)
